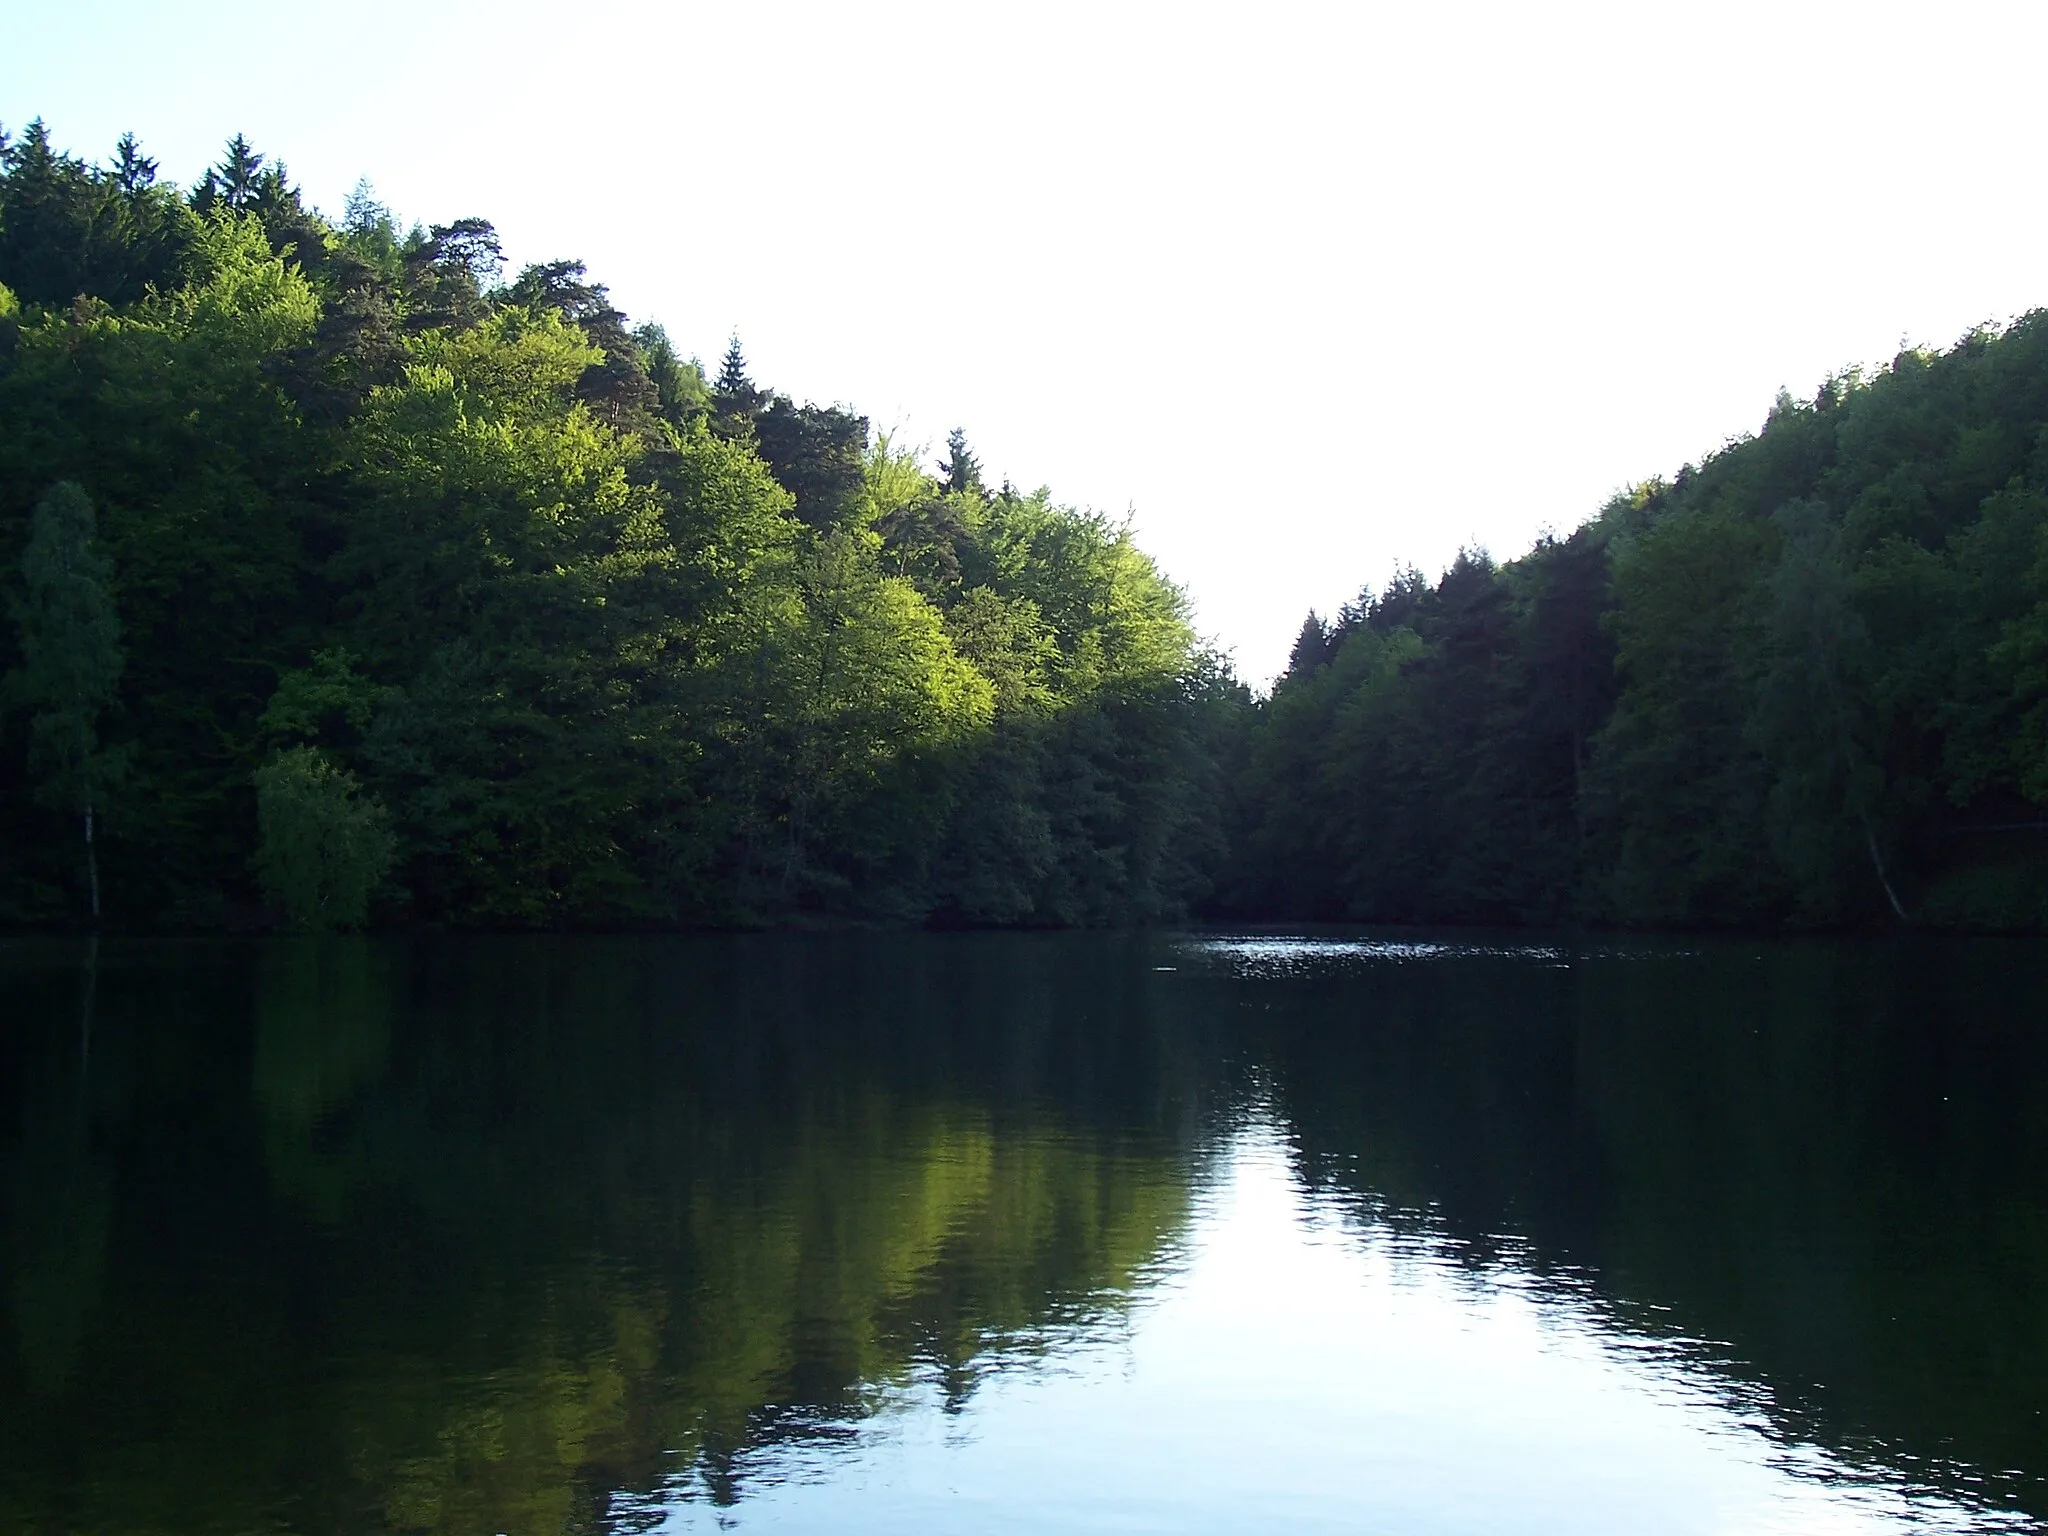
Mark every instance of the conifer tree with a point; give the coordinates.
(134, 172)
(237, 177)
(961, 470)
(1311, 647)
(46, 216)
(736, 400)
(363, 214)
(732, 370)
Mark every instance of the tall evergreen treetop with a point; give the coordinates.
(961, 470)
(364, 213)
(737, 400)
(134, 172)
(46, 219)
(1311, 647)
(239, 174)
(732, 371)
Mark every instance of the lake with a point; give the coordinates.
(1024, 1233)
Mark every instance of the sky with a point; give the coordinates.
(1308, 291)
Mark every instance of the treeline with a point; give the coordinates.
(356, 580)
(1804, 683)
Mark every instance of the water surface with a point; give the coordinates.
(1024, 1233)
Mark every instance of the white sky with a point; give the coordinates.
(1315, 289)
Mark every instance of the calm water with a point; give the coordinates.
(1028, 1234)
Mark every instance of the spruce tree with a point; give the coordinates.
(736, 399)
(1312, 647)
(732, 371)
(134, 172)
(47, 207)
(961, 470)
(236, 178)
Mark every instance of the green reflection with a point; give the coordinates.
(471, 1235)
(1827, 1162)
(61, 1196)
(539, 1221)
(323, 1034)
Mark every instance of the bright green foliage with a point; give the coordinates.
(618, 645)
(678, 381)
(323, 846)
(614, 646)
(321, 699)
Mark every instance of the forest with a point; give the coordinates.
(353, 580)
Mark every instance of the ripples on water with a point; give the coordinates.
(1241, 1232)
(1265, 956)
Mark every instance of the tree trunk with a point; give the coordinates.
(1579, 788)
(92, 869)
(1877, 863)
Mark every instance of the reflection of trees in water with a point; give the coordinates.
(61, 1194)
(323, 1033)
(1833, 1157)
(481, 1235)
(541, 1221)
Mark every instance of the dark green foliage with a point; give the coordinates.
(67, 228)
(815, 451)
(734, 397)
(961, 470)
(1802, 683)
(70, 665)
(478, 582)
(1312, 648)
(618, 645)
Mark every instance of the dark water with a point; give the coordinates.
(1023, 1234)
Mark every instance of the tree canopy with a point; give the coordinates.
(452, 597)
(1803, 682)
(598, 636)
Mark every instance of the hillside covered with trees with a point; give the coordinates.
(1804, 683)
(355, 579)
